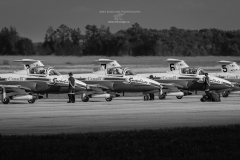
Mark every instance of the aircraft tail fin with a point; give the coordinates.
(29, 63)
(176, 64)
(228, 66)
(104, 64)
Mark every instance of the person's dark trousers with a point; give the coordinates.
(69, 98)
(73, 98)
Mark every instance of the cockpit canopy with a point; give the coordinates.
(119, 72)
(192, 71)
(43, 71)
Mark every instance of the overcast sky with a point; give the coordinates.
(31, 18)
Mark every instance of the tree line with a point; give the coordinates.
(134, 41)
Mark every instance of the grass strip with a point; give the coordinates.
(214, 142)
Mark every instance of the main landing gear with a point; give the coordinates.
(162, 96)
(147, 97)
(225, 94)
(179, 97)
(6, 98)
(86, 99)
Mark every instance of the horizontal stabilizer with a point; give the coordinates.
(225, 62)
(97, 86)
(104, 61)
(26, 61)
(173, 60)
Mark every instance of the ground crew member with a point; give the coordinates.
(151, 95)
(207, 84)
(71, 88)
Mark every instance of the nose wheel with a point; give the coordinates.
(85, 99)
(225, 94)
(6, 100)
(108, 99)
(162, 96)
(31, 101)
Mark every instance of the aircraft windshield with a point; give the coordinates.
(38, 70)
(43, 71)
(198, 71)
(120, 71)
(128, 72)
(189, 71)
(115, 71)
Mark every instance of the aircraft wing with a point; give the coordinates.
(169, 85)
(17, 89)
(97, 87)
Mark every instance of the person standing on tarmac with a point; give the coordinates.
(71, 88)
(207, 84)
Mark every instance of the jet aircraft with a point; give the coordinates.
(229, 72)
(29, 83)
(189, 79)
(109, 79)
(113, 68)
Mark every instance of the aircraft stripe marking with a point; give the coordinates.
(188, 78)
(107, 79)
(37, 79)
(120, 79)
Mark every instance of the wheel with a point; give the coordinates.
(108, 99)
(179, 97)
(163, 96)
(203, 99)
(85, 99)
(6, 100)
(225, 94)
(145, 97)
(31, 101)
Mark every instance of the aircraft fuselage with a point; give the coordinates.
(189, 82)
(119, 84)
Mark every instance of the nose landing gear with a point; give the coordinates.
(162, 96)
(85, 98)
(108, 99)
(225, 94)
(6, 100)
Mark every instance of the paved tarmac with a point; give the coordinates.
(54, 116)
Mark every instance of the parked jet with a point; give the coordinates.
(189, 79)
(27, 84)
(230, 72)
(109, 79)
